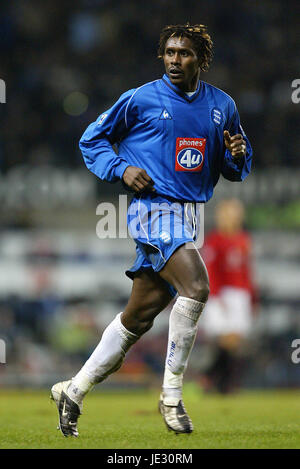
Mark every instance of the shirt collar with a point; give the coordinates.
(178, 91)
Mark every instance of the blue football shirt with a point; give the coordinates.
(178, 139)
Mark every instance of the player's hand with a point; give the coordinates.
(235, 144)
(138, 179)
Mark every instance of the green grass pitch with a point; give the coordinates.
(126, 420)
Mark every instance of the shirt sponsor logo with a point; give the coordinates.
(190, 154)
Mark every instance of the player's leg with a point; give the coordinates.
(186, 272)
(149, 296)
(237, 305)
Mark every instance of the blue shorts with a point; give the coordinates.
(159, 226)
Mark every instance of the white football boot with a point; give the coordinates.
(68, 410)
(174, 414)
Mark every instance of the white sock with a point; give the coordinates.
(106, 358)
(182, 333)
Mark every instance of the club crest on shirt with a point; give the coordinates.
(217, 116)
(165, 237)
(189, 154)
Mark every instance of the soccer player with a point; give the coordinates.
(227, 319)
(175, 136)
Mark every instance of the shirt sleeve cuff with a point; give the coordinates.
(120, 169)
(237, 163)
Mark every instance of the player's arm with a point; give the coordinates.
(250, 276)
(97, 142)
(237, 157)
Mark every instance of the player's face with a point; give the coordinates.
(181, 63)
(229, 216)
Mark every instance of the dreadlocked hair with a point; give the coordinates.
(198, 35)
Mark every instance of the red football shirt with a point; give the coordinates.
(228, 261)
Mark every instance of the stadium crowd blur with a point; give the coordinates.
(100, 48)
(63, 64)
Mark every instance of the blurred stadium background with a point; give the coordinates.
(63, 64)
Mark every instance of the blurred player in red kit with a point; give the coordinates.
(227, 319)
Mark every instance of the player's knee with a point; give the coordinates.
(140, 319)
(141, 326)
(137, 323)
(145, 326)
(198, 290)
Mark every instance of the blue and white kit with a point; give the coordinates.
(178, 139)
